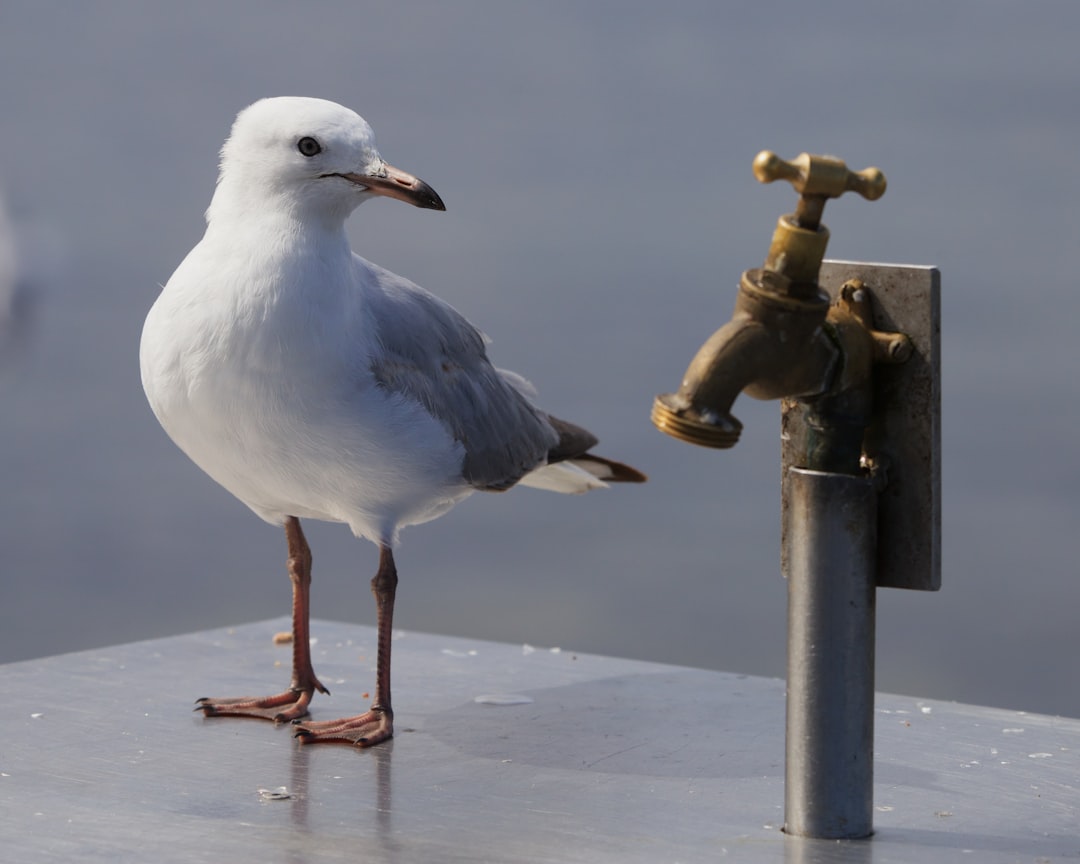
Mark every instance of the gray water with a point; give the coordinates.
(595, 161)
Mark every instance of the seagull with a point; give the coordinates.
(314, 384)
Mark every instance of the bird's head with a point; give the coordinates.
(308, 156)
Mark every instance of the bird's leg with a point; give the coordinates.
(293, 703)
(377, 723)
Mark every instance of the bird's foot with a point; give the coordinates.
(282, 708)
(365, 730)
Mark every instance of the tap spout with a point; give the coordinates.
(774, 346)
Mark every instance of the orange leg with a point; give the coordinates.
(377, 723)
(293, 703)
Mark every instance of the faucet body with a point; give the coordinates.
(774, 346)
(785, 340)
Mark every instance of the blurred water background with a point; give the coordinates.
(595, 161)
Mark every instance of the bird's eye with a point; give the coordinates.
(308, 146)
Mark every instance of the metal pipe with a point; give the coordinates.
(832, 538)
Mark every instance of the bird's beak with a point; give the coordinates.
(395, 183)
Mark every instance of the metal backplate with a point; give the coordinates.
(904, 439)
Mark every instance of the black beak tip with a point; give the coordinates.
(431, 200)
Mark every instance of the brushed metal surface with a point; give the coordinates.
(611, 760)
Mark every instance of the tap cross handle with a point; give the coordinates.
(819, 176)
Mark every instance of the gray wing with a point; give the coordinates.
(433, 355)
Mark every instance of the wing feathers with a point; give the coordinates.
(433, 355)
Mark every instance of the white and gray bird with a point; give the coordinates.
(313, 384)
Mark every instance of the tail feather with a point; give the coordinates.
(608, 469)
(565, 477)
(581, 474)
(573, 446)
(572, 469)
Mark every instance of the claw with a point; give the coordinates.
(293, 704)
(365, 730)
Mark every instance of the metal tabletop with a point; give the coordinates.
(503, 753)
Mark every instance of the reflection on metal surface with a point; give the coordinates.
(659, 763)
(502, 699)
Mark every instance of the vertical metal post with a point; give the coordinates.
(831, 535)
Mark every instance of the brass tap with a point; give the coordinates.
(784, 339)
(798, 245)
